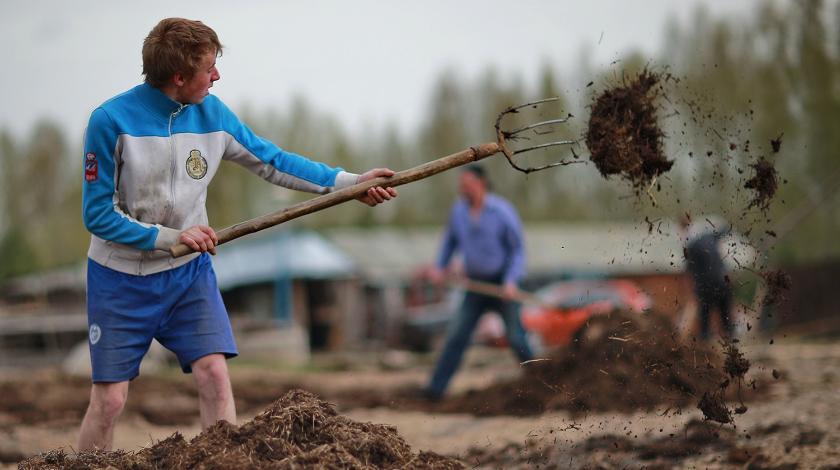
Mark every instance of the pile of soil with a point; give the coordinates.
(764, 183)
(626, 367)
(296, 431)
(697, 439)
(623, 135)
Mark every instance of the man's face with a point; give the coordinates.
(197, 87)
(472, 187)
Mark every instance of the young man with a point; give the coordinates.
(486, 229)
(150, 154)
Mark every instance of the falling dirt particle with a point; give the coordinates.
(589, 84)
(771, 233)
(733, 146)
(764, 183)
(713, 408)
(709, 153)
(735, 365)
(778, 283)
(740, 410)
(776, 143)
(776, 374)
(623, 135)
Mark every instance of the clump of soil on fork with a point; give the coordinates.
(623, 135)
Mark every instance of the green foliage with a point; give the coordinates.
(41, 202)
(18, 254)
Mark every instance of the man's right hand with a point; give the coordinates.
(437, 276)
(200, 238)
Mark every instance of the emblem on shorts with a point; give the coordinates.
(95, 333)
(91, 167)
(196, 165)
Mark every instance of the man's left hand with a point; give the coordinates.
(377, 194)
(510, 290)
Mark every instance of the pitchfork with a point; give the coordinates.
(472, 154)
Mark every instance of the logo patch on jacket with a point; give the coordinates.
(196, 165)
(91, 167)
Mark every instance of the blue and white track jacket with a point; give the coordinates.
(148, 161)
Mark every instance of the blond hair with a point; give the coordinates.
(176, 45)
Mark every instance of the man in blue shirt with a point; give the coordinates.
(486, 230)
(150, 154)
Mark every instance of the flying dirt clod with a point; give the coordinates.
(623, 136)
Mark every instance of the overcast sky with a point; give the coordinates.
(364, 61)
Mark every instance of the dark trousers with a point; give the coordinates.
(460, 335)
(720, 299)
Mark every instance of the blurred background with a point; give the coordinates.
(365, 84)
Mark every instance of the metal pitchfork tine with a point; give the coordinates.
(504, 136)
(472, 154)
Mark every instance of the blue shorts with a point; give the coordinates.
(181, 308)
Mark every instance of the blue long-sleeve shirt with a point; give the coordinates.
(492, 245)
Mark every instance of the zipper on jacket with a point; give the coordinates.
(173, 164)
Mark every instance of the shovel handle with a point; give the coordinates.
(495, 290)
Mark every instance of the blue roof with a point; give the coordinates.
(281, 254)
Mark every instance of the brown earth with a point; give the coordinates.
(695, 439)
(625, 369)
(623, 135)
(795, 422)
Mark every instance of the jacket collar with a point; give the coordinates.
(157, 101)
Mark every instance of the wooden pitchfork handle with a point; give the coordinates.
(472, 154)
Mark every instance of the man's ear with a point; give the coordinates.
(178, 79)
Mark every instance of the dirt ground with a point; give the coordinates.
(794, 425)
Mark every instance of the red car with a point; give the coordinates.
(566, 308)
